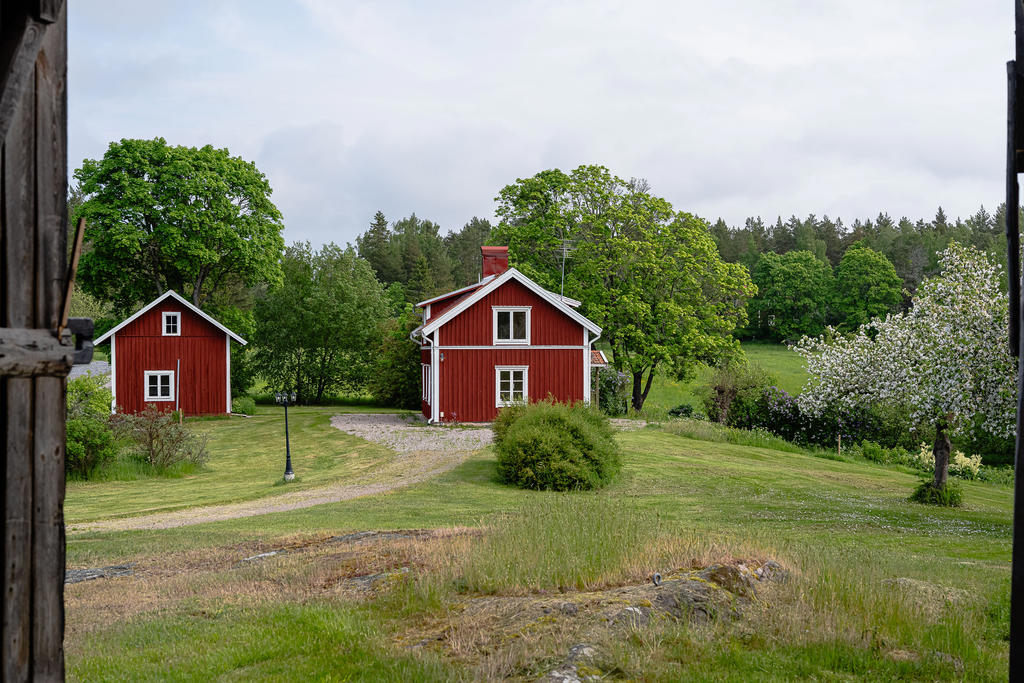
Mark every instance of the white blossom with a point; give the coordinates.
(946, 359)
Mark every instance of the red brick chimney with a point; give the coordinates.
(495, 260)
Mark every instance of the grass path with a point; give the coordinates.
(246, 463)
(422, 453)
(411, 469)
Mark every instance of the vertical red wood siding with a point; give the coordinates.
(548, 325)
(467, 376)
(141, 346)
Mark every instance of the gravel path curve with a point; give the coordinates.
(423, 452)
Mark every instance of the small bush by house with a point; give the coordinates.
(557, 447)
(160, 441)
(91, 442)
(614, 391)
(244, 405)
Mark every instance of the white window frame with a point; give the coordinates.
(425, 382)
(177, 323)
(156, 373)
(525, 369)
(510, 309)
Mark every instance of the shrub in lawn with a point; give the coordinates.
(733, 391)
(88, 396)
(245, 405)
(91, 442)
(160, 441)
(507, 416)
(950, 495)
(90, 445)
(558, 447)
(614, 391)
(681, 410)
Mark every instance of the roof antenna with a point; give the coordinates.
(568, 246)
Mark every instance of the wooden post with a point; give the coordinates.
(34, 356)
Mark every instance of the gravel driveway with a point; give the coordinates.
(409, 434)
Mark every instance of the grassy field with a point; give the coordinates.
(247, 462)
(881, 588)
(784, 365)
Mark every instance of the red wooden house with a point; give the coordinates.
(501, 340)
(172, 355)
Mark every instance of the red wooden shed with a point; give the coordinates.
(172, 355)
(501, 340)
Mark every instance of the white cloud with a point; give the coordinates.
(730, 108)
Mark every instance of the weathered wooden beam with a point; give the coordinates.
(20, 71)
(48, 11)
(34, 353)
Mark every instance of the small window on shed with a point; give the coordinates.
(159, 385)
(172, 324)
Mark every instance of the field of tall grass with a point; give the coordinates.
(879, 588)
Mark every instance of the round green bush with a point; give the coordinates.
(950, 495)
(90, 445)
(556, 447)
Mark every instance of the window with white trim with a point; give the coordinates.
(510, 385)
(511, 324)
(172, 324)
(425, 381)
(159, 385)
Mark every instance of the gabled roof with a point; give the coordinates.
(597, 358)
(449, 295)
(181, 300)
(510, 274)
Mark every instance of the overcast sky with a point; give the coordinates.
(729, 108)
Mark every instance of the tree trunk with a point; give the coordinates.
(941, 450)
(641, 388)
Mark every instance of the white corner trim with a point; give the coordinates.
(510, 274)
(177, 297)
(586, 367)
(435, 384)
(227, 351)
(525, 369)
(113, 375)
(495, 310)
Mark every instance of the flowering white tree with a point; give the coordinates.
(947, 359)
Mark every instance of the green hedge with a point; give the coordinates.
(554, 446)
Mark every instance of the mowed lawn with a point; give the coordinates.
(786, 366)
(247, 459)
(844, 529)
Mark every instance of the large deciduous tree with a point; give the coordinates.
(316, 333)
(165, 217)
(866, 287)
(947, 358)
(793, 291)
(652, 278)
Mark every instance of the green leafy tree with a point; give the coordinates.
(652, 278)
(396, 377)
(793, 291)
(316, 333)
(163, 217)
(866, 287)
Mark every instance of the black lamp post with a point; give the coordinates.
(284, 398)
